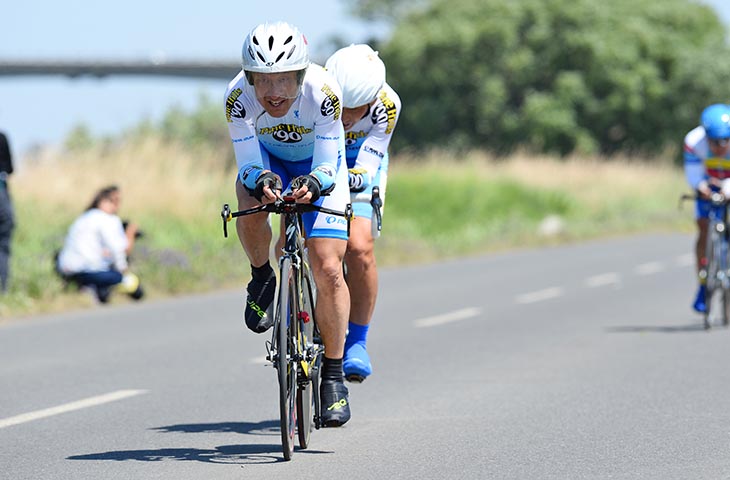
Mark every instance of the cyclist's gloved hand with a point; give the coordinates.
(266, 179)
(359, 179)
(311, 182)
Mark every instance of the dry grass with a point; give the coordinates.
(579, 174)
(594, 181)
(175, 194)
(155, 177)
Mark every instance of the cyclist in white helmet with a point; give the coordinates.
(283, 115)
(371, 110)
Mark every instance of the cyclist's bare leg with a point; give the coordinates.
(702, 224)
(281, 240)
(362, 274)
(254, 231)
(333, 297)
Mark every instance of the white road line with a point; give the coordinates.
(448, 317)
(649, 268)
(685, 260)
(539, 295)
(603, 279)
(69, 407)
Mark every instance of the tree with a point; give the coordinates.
(384, 10)
(590, 76)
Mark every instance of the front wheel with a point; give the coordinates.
(713, 255)
(309, 368)
(287, 368)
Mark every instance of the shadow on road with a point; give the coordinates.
(226, 454)
(268, 427)
(694, 327)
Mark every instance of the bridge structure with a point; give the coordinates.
(216, 69)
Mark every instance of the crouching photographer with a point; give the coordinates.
(95, 251)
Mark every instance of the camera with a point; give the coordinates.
(138, 234)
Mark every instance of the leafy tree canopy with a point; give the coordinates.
(562, 76)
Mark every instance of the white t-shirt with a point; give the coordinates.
(95, 242)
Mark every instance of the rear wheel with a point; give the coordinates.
(287, 368)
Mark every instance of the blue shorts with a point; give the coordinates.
(316, 224)
(702, 208)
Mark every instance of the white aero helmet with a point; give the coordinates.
(273, 48)
(360, 73)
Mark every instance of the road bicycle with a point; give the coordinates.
(716, 271)
(295, 349)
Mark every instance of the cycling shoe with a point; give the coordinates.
(260, 298)
(356, 364)
(699, 304)
(335, 403)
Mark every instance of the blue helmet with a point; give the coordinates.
(716, 121)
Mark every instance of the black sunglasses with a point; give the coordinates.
(720, 142)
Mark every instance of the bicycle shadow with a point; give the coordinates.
(256, 453)
(692, 327)
(268, 427)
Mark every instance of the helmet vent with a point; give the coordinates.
(274, 47)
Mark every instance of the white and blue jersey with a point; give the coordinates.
(367, 147)
(309, 138)
(700, 165)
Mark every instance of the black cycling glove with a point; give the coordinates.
(312, 183)
(266, 179)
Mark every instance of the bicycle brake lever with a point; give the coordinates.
(226, 216)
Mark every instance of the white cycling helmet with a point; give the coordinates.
(360, 73)
(273, 48)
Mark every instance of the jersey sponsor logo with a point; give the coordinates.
(373, 151)
(326, 170)
(351, 138)
(331, 104)
(385, 112)
(331, 219)
(234, 108)
(248, 172)
(286, 133)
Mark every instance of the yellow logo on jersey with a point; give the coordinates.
(331, 104)
(286, 133)
(717, 163)
(390, 110)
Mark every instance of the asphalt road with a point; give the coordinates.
(572, 362)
